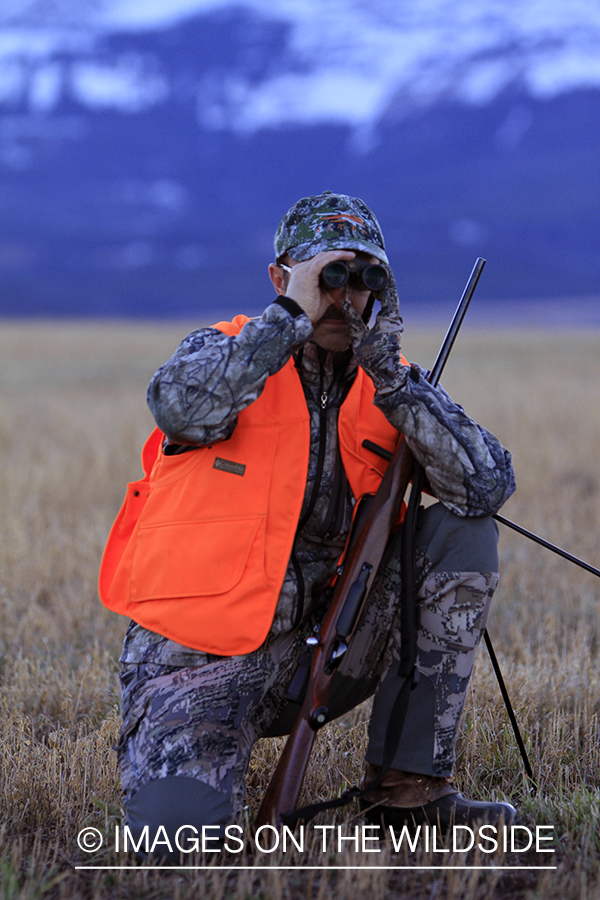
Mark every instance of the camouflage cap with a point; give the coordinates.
(328, 222)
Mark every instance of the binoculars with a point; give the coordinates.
(363, 276)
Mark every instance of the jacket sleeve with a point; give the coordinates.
(468, 469)
(196, 396)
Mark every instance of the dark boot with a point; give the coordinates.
(407, 798)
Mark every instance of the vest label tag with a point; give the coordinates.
(227, 465)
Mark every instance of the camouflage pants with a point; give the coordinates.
(188, 732)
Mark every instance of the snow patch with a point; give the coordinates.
(125, 85)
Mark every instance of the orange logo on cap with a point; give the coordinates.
(342, 219)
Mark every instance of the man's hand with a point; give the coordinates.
(377, 349)
(303, 285)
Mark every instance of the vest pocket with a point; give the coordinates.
(194, 559)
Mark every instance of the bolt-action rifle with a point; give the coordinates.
(350, 594)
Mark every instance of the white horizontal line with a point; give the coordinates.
(416, 868)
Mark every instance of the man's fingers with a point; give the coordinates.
(388, 298)
(356, 325)
(354, 319)
(327, 256)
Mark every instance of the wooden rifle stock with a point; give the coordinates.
(350, 594)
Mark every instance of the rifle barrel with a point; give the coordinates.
(446, 348)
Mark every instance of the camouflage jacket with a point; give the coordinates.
(197, 395)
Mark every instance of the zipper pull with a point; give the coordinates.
(324, 399)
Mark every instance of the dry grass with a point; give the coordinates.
(72, 422)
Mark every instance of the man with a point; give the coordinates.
(223, 554)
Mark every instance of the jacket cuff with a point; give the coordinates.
(289, 305)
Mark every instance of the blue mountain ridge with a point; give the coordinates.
(151, 213)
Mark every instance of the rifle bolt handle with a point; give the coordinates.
(312, 641)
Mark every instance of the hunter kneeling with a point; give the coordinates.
(224, 554)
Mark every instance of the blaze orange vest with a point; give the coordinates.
(200, 547)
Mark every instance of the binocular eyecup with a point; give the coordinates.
(362, 275)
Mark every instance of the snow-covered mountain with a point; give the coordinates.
(346, 61)
(141, 141)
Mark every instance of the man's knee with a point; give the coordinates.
(170, 817)
(456, 543)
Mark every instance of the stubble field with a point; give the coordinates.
(72, 422)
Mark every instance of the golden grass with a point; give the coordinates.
(72, 422)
